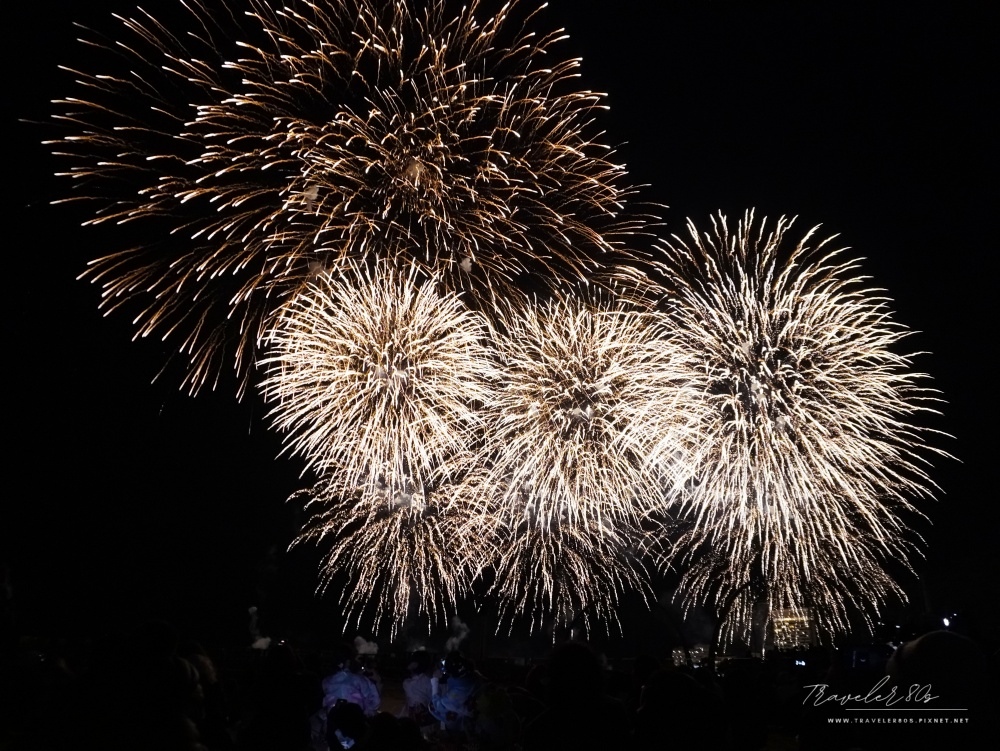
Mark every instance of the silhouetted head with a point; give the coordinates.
(575, 669)
(952, 665)
(420, 662)
(456, 665)
(349, 719)
(345, 658)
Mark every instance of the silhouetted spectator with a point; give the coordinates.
(284, 697)
(529, 699)
(673, 705)
(214, 722)
(643, 667)
(579, 713)
(748, 701)
(417, 690)
(140, 694)
(346, 726)
(949, 677)
(454, 688)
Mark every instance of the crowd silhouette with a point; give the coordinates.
(149, 689)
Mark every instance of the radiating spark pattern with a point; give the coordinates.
(267, 140)
(589, 390)
(809, 454)
(840, 583)
(325, 180)
(395, 554)
(376, 375)
(564, 576)
(386, 383)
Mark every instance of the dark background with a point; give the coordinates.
(128, 498)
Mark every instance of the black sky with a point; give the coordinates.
(874, 119)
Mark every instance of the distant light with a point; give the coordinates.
(946, 622)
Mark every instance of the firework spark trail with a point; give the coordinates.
(396, 554)
(376, 375)
(564, 576)
(270, 160)
(387, 384)
(809, 454)
(839, 582)
(590, 389)
(289, 137)
(840, 593)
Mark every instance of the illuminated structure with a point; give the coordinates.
(793, 630)
(696, 655)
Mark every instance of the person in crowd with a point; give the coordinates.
(348, 683)
(417, 690)
(346, 726)
(214, 720)
(453, 691)
(283, 697)
(673, 705)
(579, 713)
(949, 676)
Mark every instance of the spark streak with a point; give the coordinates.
(256, 146)
(810, 458)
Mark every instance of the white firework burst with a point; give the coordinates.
(590, 391)
(811, 453)
(376, 375)
(389, 555)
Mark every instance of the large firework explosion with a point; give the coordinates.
(590, 389)
(378, 376)
(809, 454)
(396, 554)
(260, 141)
(323, 178)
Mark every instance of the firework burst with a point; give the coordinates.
(589, 391)
(376, 375)
(262, 145)
(396, 553)
(810, 455)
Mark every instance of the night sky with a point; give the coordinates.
(129, 498)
